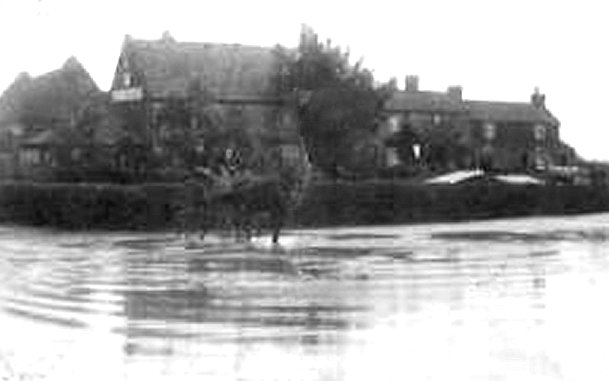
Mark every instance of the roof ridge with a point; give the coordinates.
(162, 43)
(481, 101)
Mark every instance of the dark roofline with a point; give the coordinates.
(544, 114)
(451, 105)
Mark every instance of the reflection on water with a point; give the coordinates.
(509, 299)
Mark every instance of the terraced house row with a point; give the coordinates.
(442, 129)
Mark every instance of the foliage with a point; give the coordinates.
(337, 100)
(159, 206)
(339, 203)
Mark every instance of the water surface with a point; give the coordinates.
(494, 300)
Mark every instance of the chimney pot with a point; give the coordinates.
(538, 100)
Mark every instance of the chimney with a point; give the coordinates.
(455, 93)
(538, 100)
(308, 38)
(167, 37)
(412, 83)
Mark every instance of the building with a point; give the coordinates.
(515, 136)
(169, 89)
(34, 112)
(441, 130)
(415, 117)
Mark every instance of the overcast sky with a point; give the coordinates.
(497, 50)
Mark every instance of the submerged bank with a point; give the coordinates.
(160, 206)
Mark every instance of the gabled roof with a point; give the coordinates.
(509, 112)
(426, 101)
(170, 68)
(50, 98)
(9, 100)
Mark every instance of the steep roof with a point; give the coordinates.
(49, 98)
(426, 101)
(169, 67)
(9, 100)
(509, 112)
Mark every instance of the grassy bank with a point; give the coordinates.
(159, 206)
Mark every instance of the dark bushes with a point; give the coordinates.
(85, 206)
(160, 206)
(385, 202)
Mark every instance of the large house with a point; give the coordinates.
(169, 87)
(441, 129)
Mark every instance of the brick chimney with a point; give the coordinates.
(455, 93)
(538, 100)
(412, 83)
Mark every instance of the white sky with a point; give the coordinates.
(497, 50)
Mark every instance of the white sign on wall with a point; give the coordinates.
(125, 95)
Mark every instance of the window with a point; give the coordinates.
(489, 131)
(392, 157)
(539, 132)
(437, 119)
(416, 151)
(394, 124)
(541, 159)
(127, 80)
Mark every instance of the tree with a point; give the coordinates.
(338, 101)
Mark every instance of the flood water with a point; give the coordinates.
(522, 299)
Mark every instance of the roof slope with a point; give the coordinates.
(9, 100)
(429, 101)
(49, 98)
(508, 112)
(170, 68)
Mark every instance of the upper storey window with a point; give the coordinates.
(437, 119)
(489, 130)
(540, 132)
(127, 79)
(395, 124)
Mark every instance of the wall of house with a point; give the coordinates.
(441, 139)
(264, 133)
(513, 146)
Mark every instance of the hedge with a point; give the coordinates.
(391, 202)
(88, 206)
(160, 206)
